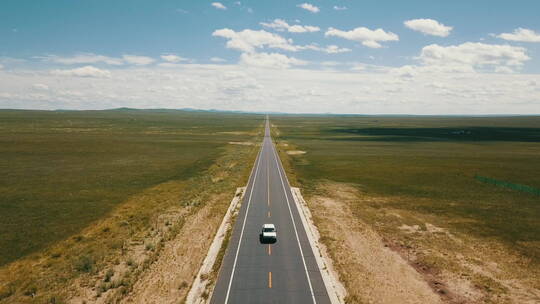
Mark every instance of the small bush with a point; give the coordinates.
(183, 285)
(150, 246)
(108, 275)
(31, 291)
(84, 264)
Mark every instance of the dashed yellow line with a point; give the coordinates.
(270, 279)
(269, 249)
(268, 213)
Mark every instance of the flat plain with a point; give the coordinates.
(78, 187)
(411, 176)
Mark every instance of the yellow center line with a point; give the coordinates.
(270, 280)
(269, 249)
(268, 213)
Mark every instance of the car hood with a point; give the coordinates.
(269, 234)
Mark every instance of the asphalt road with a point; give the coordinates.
(283, 272)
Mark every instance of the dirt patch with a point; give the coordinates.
(168, 279)
(372, 272)
(335, 288)
(383, 252)
(296, 152)
(235, 133)
(242, 143)
(205, 279)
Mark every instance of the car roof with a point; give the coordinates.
(269, 226)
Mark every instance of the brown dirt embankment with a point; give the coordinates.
(382, 257)
(372, 272)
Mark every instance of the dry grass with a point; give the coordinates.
(409, 184)
(104, 261)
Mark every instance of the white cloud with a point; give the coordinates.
(521, 35)
(330, 49)
(367, 37)
(138, 60)
(1, 66)
(217, 59)
(429, 27)
(250, 40)
(40, 86)
(339, 8)
(84, 58)
(282, 25)
(219, 5)
(270, 60)
(86, 71)
(309, 7)
(427, 89)
(474, 54)
(90, 58)
(173, 58)
(504, 69)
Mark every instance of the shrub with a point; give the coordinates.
(108, 275)
(84, 264)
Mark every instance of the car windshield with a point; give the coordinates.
(268, 229)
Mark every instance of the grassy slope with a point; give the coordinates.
(430, 168)
(62, 171)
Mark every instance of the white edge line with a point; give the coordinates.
(294, 225)
(244, 224)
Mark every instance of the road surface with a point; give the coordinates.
(283, 272)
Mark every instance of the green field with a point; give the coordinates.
(427, 165)
(63, 170)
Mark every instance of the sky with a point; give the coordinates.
(327, 56)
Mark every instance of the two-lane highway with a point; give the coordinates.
(283, 272)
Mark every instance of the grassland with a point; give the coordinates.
(82, 191)
(416, 170)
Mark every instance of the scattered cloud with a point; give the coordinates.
(474, 54)
(429, 27)
(270, 60)
(423, 89)
(173, 58)
(521, 35)
(282, 25)
(84, 58)
(1, 66)
(249, 40)
(340, 8)
(367, 37)
(330, 49)
(138, 60)
(219, 5)
(90, 58)
(309, 7)
(217, 59)
(86, 71)
(40, 86)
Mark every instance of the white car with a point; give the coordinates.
(269, 233)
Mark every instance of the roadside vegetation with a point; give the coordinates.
(90, 199)
(413, 181)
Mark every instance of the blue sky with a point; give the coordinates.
(48, 38)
